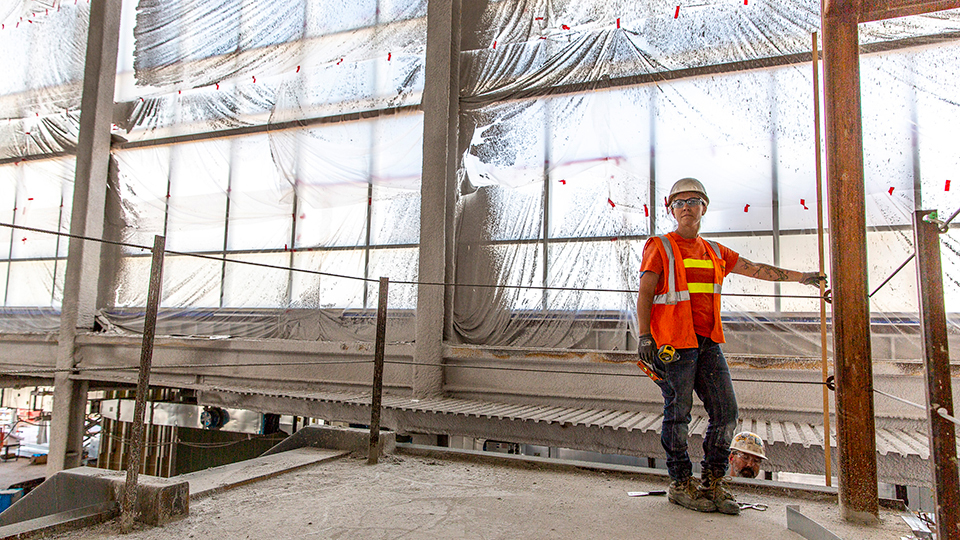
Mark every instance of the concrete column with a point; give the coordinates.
(89, 196)
(856, 432)
(438, 191)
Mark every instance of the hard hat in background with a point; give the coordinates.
(748, 443)
(687, 184)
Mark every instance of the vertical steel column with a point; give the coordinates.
(135, 459)
(933, 330)
(83, 258)
(851, 317)
(441, 106)
(375, 400)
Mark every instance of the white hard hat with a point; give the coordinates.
(687, 184)
(748, 443)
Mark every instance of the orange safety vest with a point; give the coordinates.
(671, 318)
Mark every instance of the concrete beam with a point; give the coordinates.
(83, 259)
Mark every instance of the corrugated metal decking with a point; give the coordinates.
(902, 454)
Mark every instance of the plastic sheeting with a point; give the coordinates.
(577, 116)
(579, 109)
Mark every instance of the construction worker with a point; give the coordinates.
(746, 453)
(678, 312)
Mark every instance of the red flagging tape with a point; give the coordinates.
(564, 182)
(803, 203)
(611, 203)
(340, 61)
(565, 27)
(676, 14)
(538, 18)
(298, 69)
(646, 211)
(615, 238)
(947, 186)
(494, 44)
(891, 190)
(618, 22)
(218, 86)
(389, 55)
(746, 208)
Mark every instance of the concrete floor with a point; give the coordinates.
(414, 497)
(19, 470)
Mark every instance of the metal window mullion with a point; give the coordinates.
(13, 221)
(293, 239)
(295, 208)
(774, 185)
(226, 219)
(914, 132)
(547, 134)
(369, 225)
(56, 253)
(653, 161)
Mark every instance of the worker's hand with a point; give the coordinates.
(813, 279)
(647, 349)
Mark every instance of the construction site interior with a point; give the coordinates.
(228, 198)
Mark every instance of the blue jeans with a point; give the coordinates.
(703, 370)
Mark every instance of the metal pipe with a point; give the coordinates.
(825, 372)
(933, 331)
(135, 460)
(375, 400)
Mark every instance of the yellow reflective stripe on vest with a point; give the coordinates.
(672, 296)
(698, 263)
(703, 288)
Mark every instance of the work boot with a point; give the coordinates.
(687, 494)
(712, 488)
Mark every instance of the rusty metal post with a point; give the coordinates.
(856, 432)
(933, 330)
(135, 459)
(374, 452)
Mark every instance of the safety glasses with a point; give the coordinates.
(680, 203)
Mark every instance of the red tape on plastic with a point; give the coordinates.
(565, 27)
(611, 203)
(298, 69)
(946, 187)
(803, 203)
(646, 211)
(891, 190)
(618, 22)
(676, 14)
(746, 208)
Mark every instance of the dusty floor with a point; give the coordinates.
(415, 497)
(18, 470)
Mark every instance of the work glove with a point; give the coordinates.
(813, 279)
(647, 349)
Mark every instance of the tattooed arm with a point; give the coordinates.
(766, 272)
